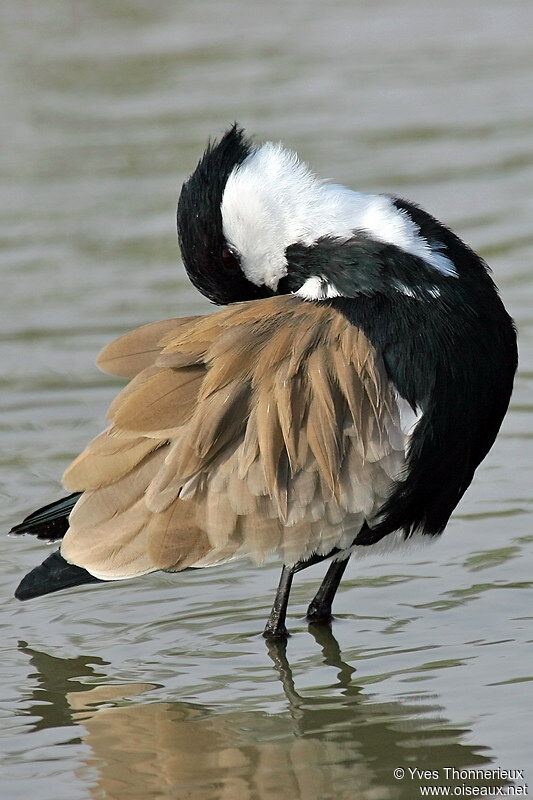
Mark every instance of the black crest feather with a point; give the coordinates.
(199, 220)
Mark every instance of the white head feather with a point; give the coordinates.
(273, 200)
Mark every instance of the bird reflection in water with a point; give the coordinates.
(338, 742)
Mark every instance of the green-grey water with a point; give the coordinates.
(163, 687)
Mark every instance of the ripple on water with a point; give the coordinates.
(163, 687)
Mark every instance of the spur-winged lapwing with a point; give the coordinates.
(339, 404)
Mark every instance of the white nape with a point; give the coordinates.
(272, 200)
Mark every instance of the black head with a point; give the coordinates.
(254, 221)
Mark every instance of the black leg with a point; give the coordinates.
(275, 627)
(319, 610)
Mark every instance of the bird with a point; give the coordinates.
(338, 403)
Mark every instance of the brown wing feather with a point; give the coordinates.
(269, 436)
(266, 427)
(286, 394)
(174, 539)
(106, 459)
(129, 354)
(164, 402)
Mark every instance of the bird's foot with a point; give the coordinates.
(319, 615)
(276, 633)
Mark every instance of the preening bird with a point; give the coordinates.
(339, 404)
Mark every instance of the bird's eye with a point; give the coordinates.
(230, 259)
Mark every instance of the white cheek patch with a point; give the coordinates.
(249, 228)
(264, 201)
(272, 200)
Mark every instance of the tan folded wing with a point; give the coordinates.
(267, 427)
(129, 354)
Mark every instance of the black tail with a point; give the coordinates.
(53, 574)
(51, 521)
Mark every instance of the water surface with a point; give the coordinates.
(163, 687)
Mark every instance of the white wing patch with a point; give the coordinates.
(317, 288)
(409, 418)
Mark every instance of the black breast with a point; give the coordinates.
(454, 357)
